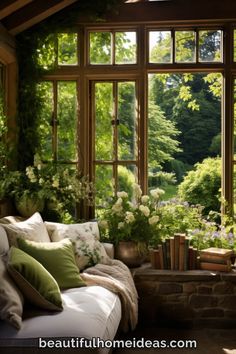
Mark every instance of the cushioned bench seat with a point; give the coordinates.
(88, 312)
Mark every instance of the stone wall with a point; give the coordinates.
(191, 298)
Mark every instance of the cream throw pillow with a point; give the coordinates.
(11, 299)
(85, 237)
(32, 229)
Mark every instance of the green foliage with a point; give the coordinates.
(176, 216)
(36, 52)
(202, 185)
(162, 143)
(50, 182)
(126, 180)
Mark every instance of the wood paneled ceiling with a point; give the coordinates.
(19, 15)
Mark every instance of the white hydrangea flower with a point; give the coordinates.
(155, 193)
(122, 194)
(117, 208)
(119, 201)
(55, 183)
(129, 217)
(41, 180)
(145, 210)
(145, 199)
(137, 190)
(121, 225)
(153, 220)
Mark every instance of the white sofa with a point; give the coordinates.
(88, 312)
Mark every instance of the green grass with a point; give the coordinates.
(170, 191)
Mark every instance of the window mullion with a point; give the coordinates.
(54, 122)
(115, 134)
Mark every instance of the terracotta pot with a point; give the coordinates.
(28, 205)
(130, 253)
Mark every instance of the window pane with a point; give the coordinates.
(235, 45)
(103, 186)
(67, 118)
(45, 126)
(127, 176)
(184, 134)
(125, 48)
(67, 48)
(127, 121)
(210, 46)
(185, 46)
(235, 120)
(46, 54)
(103, 121)
(160, 47)
(100, 48)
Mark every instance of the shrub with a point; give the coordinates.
(202, 185)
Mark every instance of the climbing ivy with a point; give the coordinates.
(36, 57)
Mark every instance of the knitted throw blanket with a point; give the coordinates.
(118, 279)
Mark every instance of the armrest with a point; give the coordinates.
(109, 248)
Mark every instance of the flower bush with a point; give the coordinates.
(146, 218)
(50, 182)
(134, 219)
(212, 234)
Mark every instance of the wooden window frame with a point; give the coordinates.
(85, 73)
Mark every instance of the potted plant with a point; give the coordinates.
(46, 186)
(130, 223)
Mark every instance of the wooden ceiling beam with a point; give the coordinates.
(7, 7)
(33, 13)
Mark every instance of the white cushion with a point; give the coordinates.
(85, 237)
(32, 229)
(4, 244)
(91, 311)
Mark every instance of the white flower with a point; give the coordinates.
(153, 220)
(39, 166)
(103, 224)
(121, 225)
(122, 195)
(30, 174)
(117, 208)
(119, 201)
(55, 183)
(155, 193)
(129, 217)
(145, 210)
(132, 205)
(41, 180)
(145, 199)
(137, 190)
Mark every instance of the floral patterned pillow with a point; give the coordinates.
(85, 237)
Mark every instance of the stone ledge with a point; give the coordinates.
(149, 273)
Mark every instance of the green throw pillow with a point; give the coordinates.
(35, 282)
(58, 258)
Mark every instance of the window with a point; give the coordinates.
(160, 46)
(185, 46)
(150, 104)
(115, 137)
(188, 46)
(67, 48)
(184, 128)
(58, 128)
(109, 48)
(59, 49)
